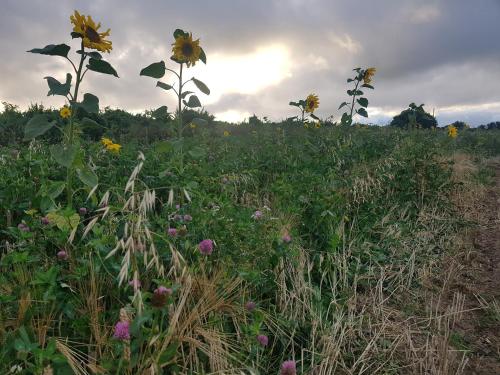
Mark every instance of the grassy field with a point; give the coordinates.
(231, 253)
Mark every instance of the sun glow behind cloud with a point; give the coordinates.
(244, 74)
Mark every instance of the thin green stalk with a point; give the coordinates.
(69, 172)
(179, 107)
(354, 98)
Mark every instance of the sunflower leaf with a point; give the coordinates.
(295, 104)
(93, 54)
(363, 102)
(75, 35)
(368, 86)
(90, 103)
(343, 105)
(186, 93)
(63, 155)
(38, 125)
(101, 66)
(314, 116)
(87, 176)
(52, 50)
(362, 112)
(180, 32)
(164, 86)
(201, 86)
(58, 88)
(192, 102)
(203, 57)
(346, 119)
(155, 70)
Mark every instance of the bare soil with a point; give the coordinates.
(478, 279)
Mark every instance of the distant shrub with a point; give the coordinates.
(414, 117)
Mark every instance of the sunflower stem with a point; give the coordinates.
(354, 98)
(70, 136)
(179, 108)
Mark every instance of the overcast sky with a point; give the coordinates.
(263, 53)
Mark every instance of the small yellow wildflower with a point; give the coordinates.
(89, 32)
(106, 141)
(226, 133)
(192, 126)
(452, 131)
(312, 102)
(369, 73)
(114, 147)
(317, 125)
(186, 50)
(65, 112)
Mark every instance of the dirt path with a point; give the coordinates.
(479, 281)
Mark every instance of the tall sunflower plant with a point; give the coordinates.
(362, 79)
(92, 42)
(307, 107)
(186, 52)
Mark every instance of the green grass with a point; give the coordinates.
(367, 209)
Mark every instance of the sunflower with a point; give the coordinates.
(106, 141)
(369, 73)
(312, 102)
(452, 131)
(114, 147)
(186, 50)
(89, 32)
(317, 125)
(65, 112)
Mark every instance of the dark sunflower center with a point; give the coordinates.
(311, 104)
(92, 35)
(187, 49)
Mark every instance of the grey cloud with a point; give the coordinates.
(441, 53)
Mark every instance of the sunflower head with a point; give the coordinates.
(186, 50)
(114, 147)
(452, 131)
(106, 141)
(88, 30)
(65, 112)
(368, 75)
(312, 102)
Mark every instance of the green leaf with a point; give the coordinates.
(164, 86)
(349, 80)
(193, 102)
(368, 86)
(186, 93)
(38, 125)
(160, 113)
(362, 112)
(343, 105)
(180, 32)
(101, 66)
(363, 102)
(203, 57)
(201, 86)
(94, 55)
(52, 50)
(58, 88)
(75, 35)
(314, 116)
(87, 122)
(65, 221)
(87, 176)
(346, 119)
(55, 189)
(155, 70)
(64, 155)
(90, 103)
(294, 104)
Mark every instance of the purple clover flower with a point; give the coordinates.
(288, 368)
(62, 255)
(188, 218)
(172, 232)
(45, 220)
(286, 238)
(257, 215)
(122, 331)
(263, 340)
(250, 305)
(162, 290)
(206, 247)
